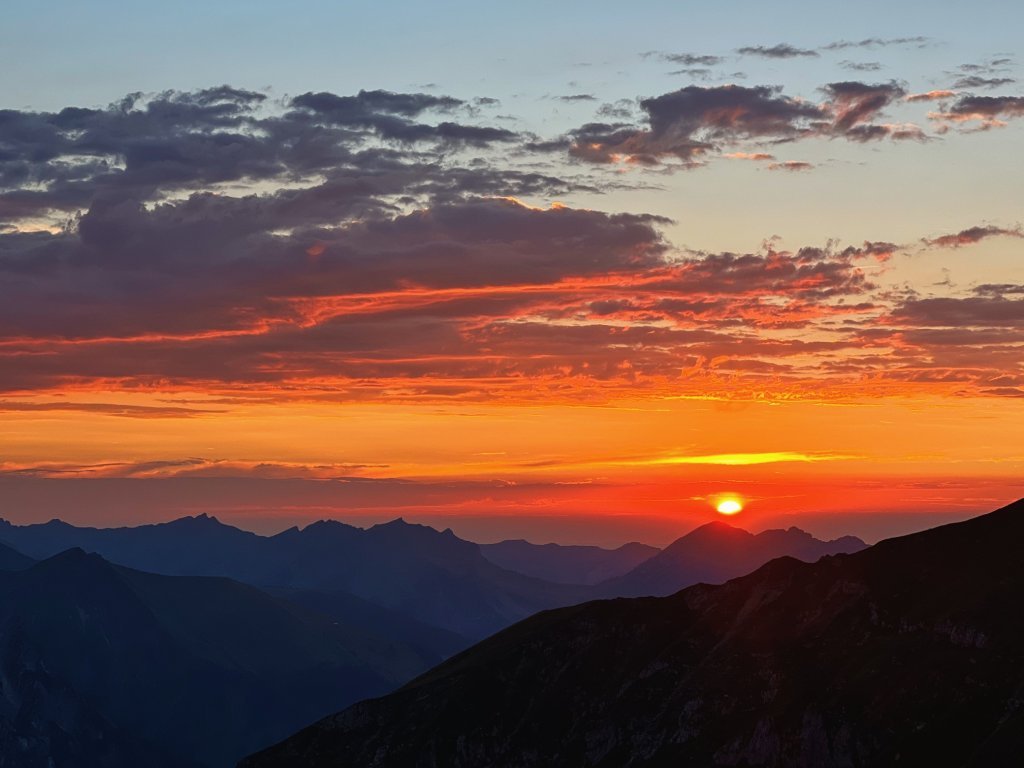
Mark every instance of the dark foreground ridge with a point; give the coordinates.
(908, 653)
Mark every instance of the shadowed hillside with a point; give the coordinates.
(106, 666)
(908, 653)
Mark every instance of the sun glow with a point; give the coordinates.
(729, 506)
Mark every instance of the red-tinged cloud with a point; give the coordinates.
(791, 165)
(986, 111)
(934, 95)
(756, 156)
(481, 299)
(386, 256)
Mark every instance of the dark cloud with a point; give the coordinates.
(146, 147)
(986, 311)
(388, 115)
(999, 289)
(688, 123)
(444, 301)
(989, 111)
(385, 255)
(578, 97)
(699, 73)
(876, 42)
(692, 59)
(779, 51)
(992, 66)
(971, 235)
(853, 105)
(975, 81)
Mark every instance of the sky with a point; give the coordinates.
(570, 272)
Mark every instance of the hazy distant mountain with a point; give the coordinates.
(190, 546)
(908, 653)
(717, 552)
(564, 564)
(104, 665)
(431, 576)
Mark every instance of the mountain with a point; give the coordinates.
(189, 546)
(910, 653)
(717, 552)
(102, 665)
(428, 640)
(432, 577)
(564, 564)
(12, 560)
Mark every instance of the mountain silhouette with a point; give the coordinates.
(432, 577)
(717, 552)
(12, 560)
(105, 665)
(906, 653)
(567, 564)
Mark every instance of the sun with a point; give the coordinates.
(729, 506)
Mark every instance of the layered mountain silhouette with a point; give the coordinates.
(12, 560)
(717, 552)
(431, 577)
(567, 564)
(102, 665)
(910, 653)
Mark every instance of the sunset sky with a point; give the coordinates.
(564, 271)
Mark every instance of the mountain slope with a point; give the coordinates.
(717, 552)
(12, 560)
(567, 564)
(908, 653)
(197, 670)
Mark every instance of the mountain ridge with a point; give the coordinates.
(907, 652)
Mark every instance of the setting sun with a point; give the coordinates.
(729, 507)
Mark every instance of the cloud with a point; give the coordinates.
(971, 236)
(689, 125)
(876, 42)
(147, 147)
(974, 81)
(790, 165)
(779, 51)
(692, 59)
(854, 105)
(756, 156)
(992, 311)
(692, 121)
(107, 409)
(936, 95)
(578, 97)
(861, 66)
(371, 247)
(699, 73)
(989, 111)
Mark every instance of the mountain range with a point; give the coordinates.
(433, 578)
(906, 653)
(567, 564)
(193, 643)
(105, 665)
